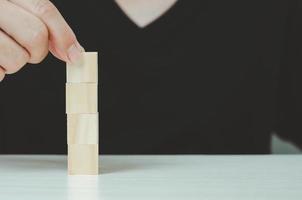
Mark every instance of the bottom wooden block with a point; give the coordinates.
(83, 159)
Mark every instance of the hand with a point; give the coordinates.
(31, 28)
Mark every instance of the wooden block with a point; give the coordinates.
(82, 128)
(81, 98)
(83, 159)
(85, 71)
(82, 115)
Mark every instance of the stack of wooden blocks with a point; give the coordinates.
(82, 115)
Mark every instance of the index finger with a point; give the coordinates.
(63, 42)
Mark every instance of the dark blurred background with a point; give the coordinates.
(32, 102)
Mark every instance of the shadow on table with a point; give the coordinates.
(117, 164)
(108, 164)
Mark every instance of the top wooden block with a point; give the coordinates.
(85, 71)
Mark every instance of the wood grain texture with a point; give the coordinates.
(83, 159)
(85, 71)
(81, 98)
(82, 128)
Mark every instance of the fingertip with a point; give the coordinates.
(80, 46)
(57, 53)
(2, 74)
(74, 53)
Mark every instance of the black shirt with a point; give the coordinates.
(207, 77)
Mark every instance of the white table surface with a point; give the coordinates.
(154, 177)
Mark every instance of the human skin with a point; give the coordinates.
(144, 12)
(29, 29)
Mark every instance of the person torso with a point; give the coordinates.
(200, 79)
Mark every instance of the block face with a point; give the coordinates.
(82, 128)
(83, 159)
(82, 115)
(85, 71)
(81, 98)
